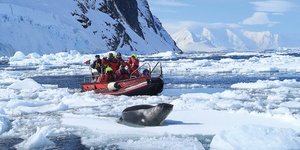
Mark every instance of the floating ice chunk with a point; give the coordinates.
(256, 137)
(26, 84)
(17, 57)
(2, 112)
(166, 55)
(266, 84)
(5, 124)
(37, 140)
(166, 142)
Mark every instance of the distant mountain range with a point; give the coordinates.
(89, 26)
(226, 39)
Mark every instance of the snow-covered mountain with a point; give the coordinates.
(89, 26)
(220, 39)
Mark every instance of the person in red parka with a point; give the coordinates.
(108, 76)
(122, 74)
(120, 60)
(133, 63)
(146, 73)
(111, 61)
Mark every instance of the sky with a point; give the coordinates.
(277, 16)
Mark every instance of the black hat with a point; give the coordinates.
(97, 56)
(119, 54)
(145, 70)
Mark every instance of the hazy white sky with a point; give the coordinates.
(277, 16)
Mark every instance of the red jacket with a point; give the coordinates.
(120, 62)
(106, 78)
(122, 74)
(133, 64)
(113, 63)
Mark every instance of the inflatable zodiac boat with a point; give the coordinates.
(150, 85)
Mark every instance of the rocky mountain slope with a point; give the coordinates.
(89, 26)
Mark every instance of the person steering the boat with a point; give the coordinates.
(133, 63)
(97, 64)
(108, 76)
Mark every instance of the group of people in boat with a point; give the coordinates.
(113, 68)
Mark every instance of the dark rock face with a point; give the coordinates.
(84, 7)
(123, 12)
(129, 11)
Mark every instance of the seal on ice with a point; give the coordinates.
(146, 115)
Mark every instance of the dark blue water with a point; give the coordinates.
(9, 143)
(72, 82)
(225, 81)
(75, 81)
(63, 142)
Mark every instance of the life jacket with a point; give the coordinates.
(104, 62)
(98, 65)
(121, 62)
(95, 63)
(122, 74)
(133, 64)
(106, 78)
(100, 78)
(113, 64)
(147, 75)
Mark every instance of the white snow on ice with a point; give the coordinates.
(250, 115)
